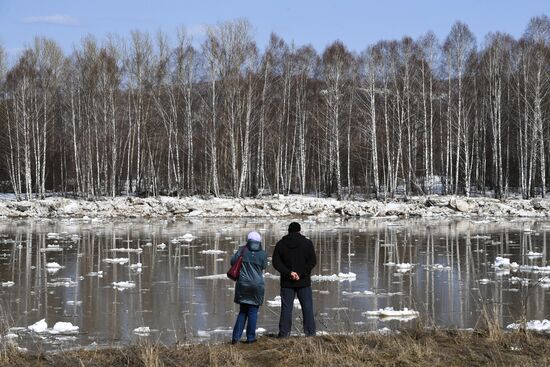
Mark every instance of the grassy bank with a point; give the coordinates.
(416, 348)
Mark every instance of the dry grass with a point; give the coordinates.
(413, 348)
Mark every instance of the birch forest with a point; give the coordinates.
(157, 114)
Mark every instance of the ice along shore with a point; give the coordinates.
(274, 206)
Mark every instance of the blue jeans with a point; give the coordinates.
(287, 304)
(250, 313)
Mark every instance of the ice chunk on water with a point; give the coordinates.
(142, 330)
(123, 285)
(39, 326)
(213, 276)
(63, 328)
(334, 278)
(161, 246)
(276, 302)
(358, 293)
(7, 284)
(213, 252)
(188, 237)
(118, 260)
(136, 267)
(390, 312)
(534, 254)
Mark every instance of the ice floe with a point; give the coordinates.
(39, 326)
(358, 293)
(123, 285)
(9, 283)
(389, 312)
(276, 302)
(118, 260)
(142, 330)
(340, 277)
(213, 252)
(63, 328)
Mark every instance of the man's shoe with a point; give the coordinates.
(251, 341)
(234, 341)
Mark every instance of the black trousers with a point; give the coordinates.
(305, 297)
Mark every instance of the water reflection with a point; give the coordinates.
(174, 284)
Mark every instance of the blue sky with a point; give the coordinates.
(356, 23)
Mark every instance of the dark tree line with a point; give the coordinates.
(147, 116)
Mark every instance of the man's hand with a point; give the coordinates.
(294, 276)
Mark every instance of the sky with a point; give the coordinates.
(316, 22)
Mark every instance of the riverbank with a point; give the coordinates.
(413, 348)
(273, 206)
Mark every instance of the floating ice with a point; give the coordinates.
(534, 269)
(213, 252)
(123, 285)
(39, 326)
(358, 293)
(136, 267)
(95, 274)
(502, 262)
(188, 237)
(213, 276)
(61, 283)
(53, 265)
(484, 281)
(136, 250)
(74, 303)
(142, 330)
(271, 276)
(389, 312)
(334, 278)
(9, 283)
(161, 246)
(118, 260)
(63, 328)
(198, 267)
(534, 254)
(276, 302)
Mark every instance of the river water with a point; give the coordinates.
(181, 295)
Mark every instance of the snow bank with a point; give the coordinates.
(535, 325)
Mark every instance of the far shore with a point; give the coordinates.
(433, 206)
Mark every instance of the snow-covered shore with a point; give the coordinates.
(275, 206)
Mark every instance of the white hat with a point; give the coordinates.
(254, 236)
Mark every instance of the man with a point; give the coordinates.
(294, 257)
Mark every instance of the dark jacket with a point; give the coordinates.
(294, 252)
(250, 286)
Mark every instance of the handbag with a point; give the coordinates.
(235, 269)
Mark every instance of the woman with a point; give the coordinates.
(249, 290)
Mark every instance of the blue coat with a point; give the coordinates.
(250, 286)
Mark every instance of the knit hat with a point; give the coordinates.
(254, 236)
(294, 227)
